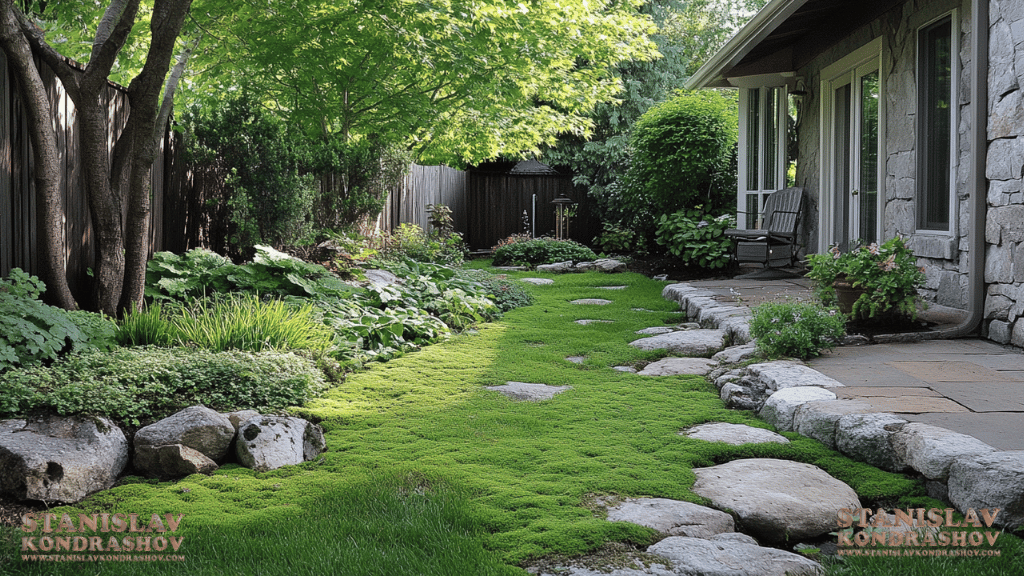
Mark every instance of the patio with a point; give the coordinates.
(971, 386)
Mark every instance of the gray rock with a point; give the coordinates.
(738, 397)
(176, 461)
(820, 419)
(673, 517)
(629, 369)
(592, 302)
(654, 331)
(780, 407)
(269, 442)
(380, 277)
(686, 343)
(585, 322)
(197, 427)
(738, 537)
(735, 434)
(538, 281)
(994, 480)
(735, 354)
(612, 287)
(868, 438)
(695, 556)
(609, 265)
(776, 500)
(529, 392)
(738, 329)
(931, 450)
(60, 459)
(237, 417)
(786, 374)
(557, 267)
(678, 366)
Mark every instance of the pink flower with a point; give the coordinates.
(873, 248)
(889, 264)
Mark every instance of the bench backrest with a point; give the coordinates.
(782, 210)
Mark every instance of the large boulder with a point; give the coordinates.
(59, 458)
(204, 430)
(694, 556)
(176, 461)
(269, 442)
(776, 500)
(673, 517)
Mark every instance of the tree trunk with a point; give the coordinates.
(49, 209)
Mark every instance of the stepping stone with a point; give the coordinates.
(673, 517)
(678, 366)
(686, 343)
(735, 434)
(592, 302)
(654, 331)
(642, 310)
(723, 557)
(538, 281)
(776, 500)
(613, 287)
(576, 359)
(625, 369)
(585, 322)
(556, 267)
(525, 391)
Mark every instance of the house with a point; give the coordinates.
(896, 117)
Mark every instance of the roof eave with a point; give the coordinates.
(713, 73)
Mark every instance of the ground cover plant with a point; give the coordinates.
(534, 251)
(427, 472)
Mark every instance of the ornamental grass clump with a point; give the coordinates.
(794, 329)
(886, 275)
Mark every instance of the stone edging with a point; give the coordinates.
(793, 397)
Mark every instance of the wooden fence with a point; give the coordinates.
(496, 203)
(18, 234)
(422, 186)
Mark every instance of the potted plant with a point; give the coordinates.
(873, 282)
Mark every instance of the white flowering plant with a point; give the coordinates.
(796, 329)
(888, 274)
(696, 237)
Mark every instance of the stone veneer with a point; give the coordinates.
(1004, 225)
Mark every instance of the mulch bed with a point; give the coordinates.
(11, 511)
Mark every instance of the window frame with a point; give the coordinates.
(924, 194)
(746, 193)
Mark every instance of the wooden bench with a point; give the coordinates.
(775, 245)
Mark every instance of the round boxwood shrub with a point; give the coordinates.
(542, 251)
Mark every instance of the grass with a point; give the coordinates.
(427, 472)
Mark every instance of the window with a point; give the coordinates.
(763, 136)
(936, 122)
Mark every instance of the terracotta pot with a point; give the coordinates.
(846, 294)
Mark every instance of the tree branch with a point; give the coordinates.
(104, 52)
(40, 47)
(172, 84)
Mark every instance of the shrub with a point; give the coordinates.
(542, 251)
(506, 294)
(31, 331)
(682, 155)
(145, 383)
(412, 242)
(796, 329)
(616, 238)
(888, 273)
(697, 238)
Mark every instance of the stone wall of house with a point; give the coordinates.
(944, 257)
(1004, 226)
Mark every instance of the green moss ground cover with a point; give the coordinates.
(427, 472)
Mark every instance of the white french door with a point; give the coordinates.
(851, 147)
